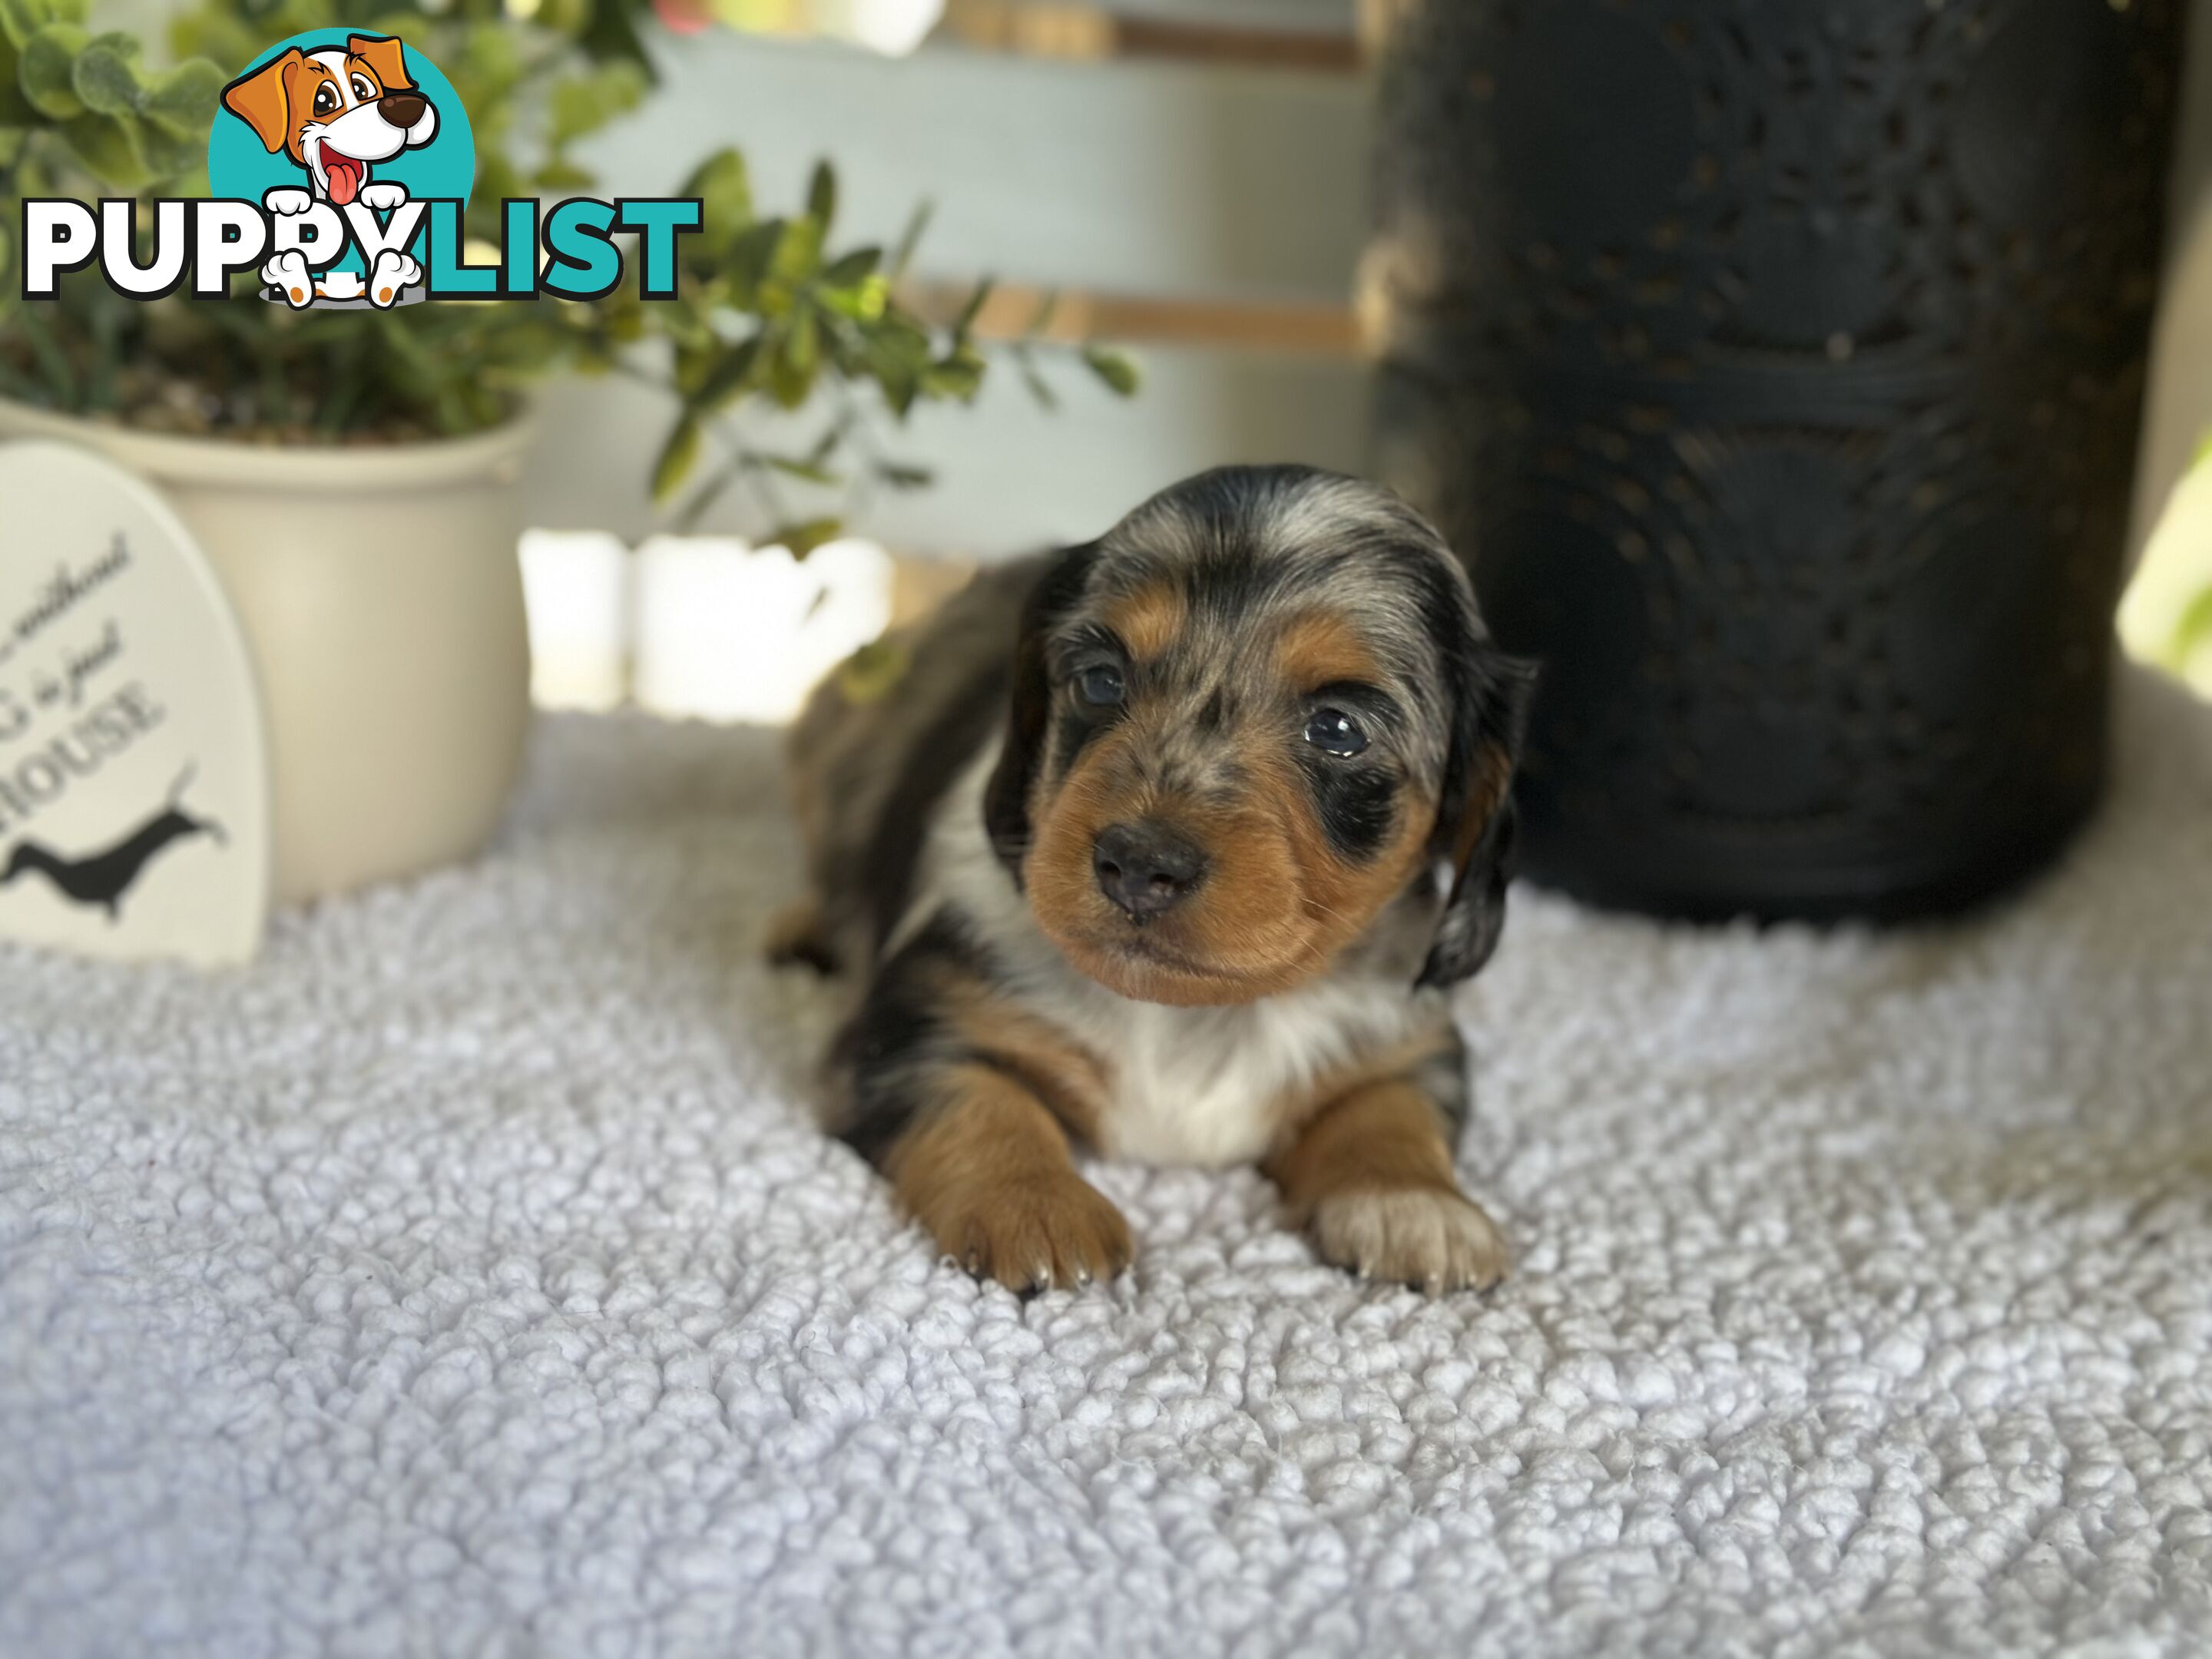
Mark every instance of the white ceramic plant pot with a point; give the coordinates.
(382, 596)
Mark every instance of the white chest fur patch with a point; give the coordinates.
(1205, 1085)
(1200, 1086)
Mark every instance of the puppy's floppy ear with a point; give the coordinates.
(263, 100)
(1475, 822)
(384, 57)
(1029, 715)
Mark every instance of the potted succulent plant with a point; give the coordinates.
(352, 474)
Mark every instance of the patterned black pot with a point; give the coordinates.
(1779, 367)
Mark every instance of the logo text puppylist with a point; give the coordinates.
(339, 168)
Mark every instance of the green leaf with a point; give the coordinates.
(793, 368)
(692, 363)
(48, 70)
(611, 36)
(110, 146)
(796, 262)
(852, 267)
(678, 456)
(968, 312)
(105, 77)
(826, 444)
(22, 19)
(896, 353)
(563, 177)
(185, 99)
(491, 63)
(1039, 389)
(497, 180)
(805, 536)
(569, 17)
(723, 185)
(864, 303)
(730, 374)
(2192, 628)
(167, 154)
(911, 239)
(750, 257)
(822, 195)
(959, 374)
(205, 34)
(811, 472)
(16, 111)
(1118, 373)
(870, 673)
(589, 102)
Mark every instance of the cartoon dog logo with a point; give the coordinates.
(336, 114)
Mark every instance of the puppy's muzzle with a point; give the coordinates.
(1145, 867)
(403, 109)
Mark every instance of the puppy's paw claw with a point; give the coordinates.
(287, 201)
(1431, 1238)
(382, 198)
(1042, 1232)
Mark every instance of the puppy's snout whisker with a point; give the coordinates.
(1146, 868)
(403, 109)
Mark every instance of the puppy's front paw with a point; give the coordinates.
(394, 274)
(287, 201)
(1050, 1230)
(1429, 1237)
(382, 197)
(288, 275)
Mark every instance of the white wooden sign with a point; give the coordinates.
(134, 771)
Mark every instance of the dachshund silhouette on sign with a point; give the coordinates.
(100, 879)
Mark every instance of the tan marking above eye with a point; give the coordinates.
(1149, 620)
(1320, 647)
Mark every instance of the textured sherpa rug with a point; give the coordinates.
(465, 1278)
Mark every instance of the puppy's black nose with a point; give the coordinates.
(403, 109)
(1145, 867)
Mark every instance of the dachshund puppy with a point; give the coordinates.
(1170, 845)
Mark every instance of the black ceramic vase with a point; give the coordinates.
(1779, 367)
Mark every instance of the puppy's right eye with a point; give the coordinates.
(326, 98)
(1101, 688)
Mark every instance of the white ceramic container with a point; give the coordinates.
(380, 595)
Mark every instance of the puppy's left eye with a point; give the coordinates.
(1336, 733)
(1101, 687)
(362, 89)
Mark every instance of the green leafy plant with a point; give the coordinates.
(769, 317)
(2166, 615)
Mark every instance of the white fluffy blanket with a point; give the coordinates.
(466, 1277)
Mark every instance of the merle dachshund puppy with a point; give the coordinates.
(1171, 845)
